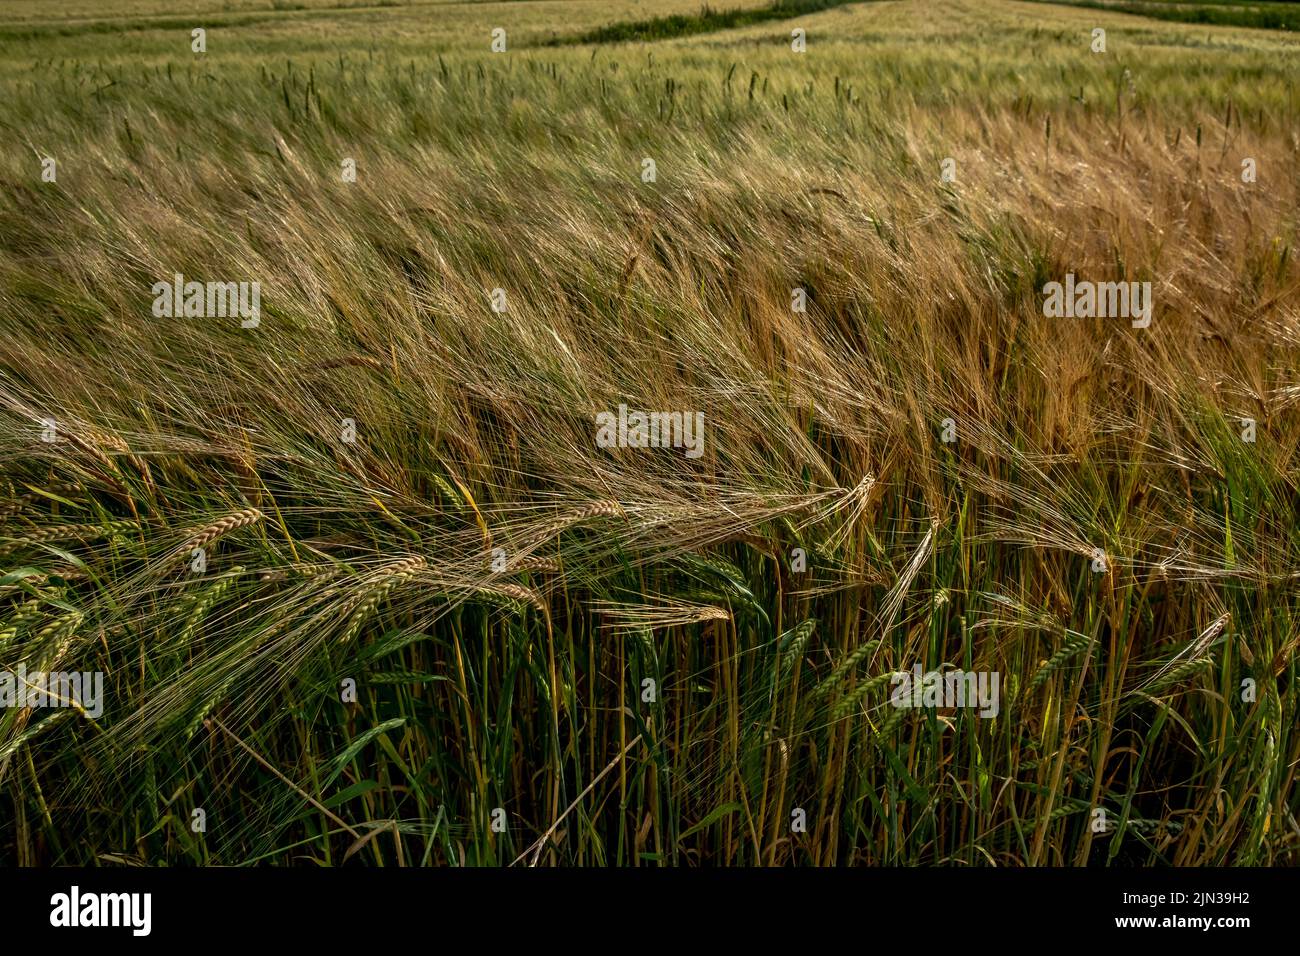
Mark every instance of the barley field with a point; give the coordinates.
(364, 585)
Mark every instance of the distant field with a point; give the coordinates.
(1281, 15)
(363, 564)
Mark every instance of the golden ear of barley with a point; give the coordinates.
(517, 593)
(19, 502)
(1243, 648)
(94, 439)
(626, 617)
(392, 574)
(548, 565)
(67, 572)
(405, 567)
(91, 442)
(224, 526)
(15, 504)
(89, 433)
(595, 509)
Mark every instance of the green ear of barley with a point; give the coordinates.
(793, 644)
(55, 638)
(391, 643)
(845, 705)
(448, 492)
(860, 653)
(1068, 650)
(394, 574)
(203, 604)
(1179, 674)
(645, 636)
(209, 705)
(715, 565)
(893, 717)
(12, 747)
(403, 677)
(26, 612)
(299, 570)
(84, 532)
